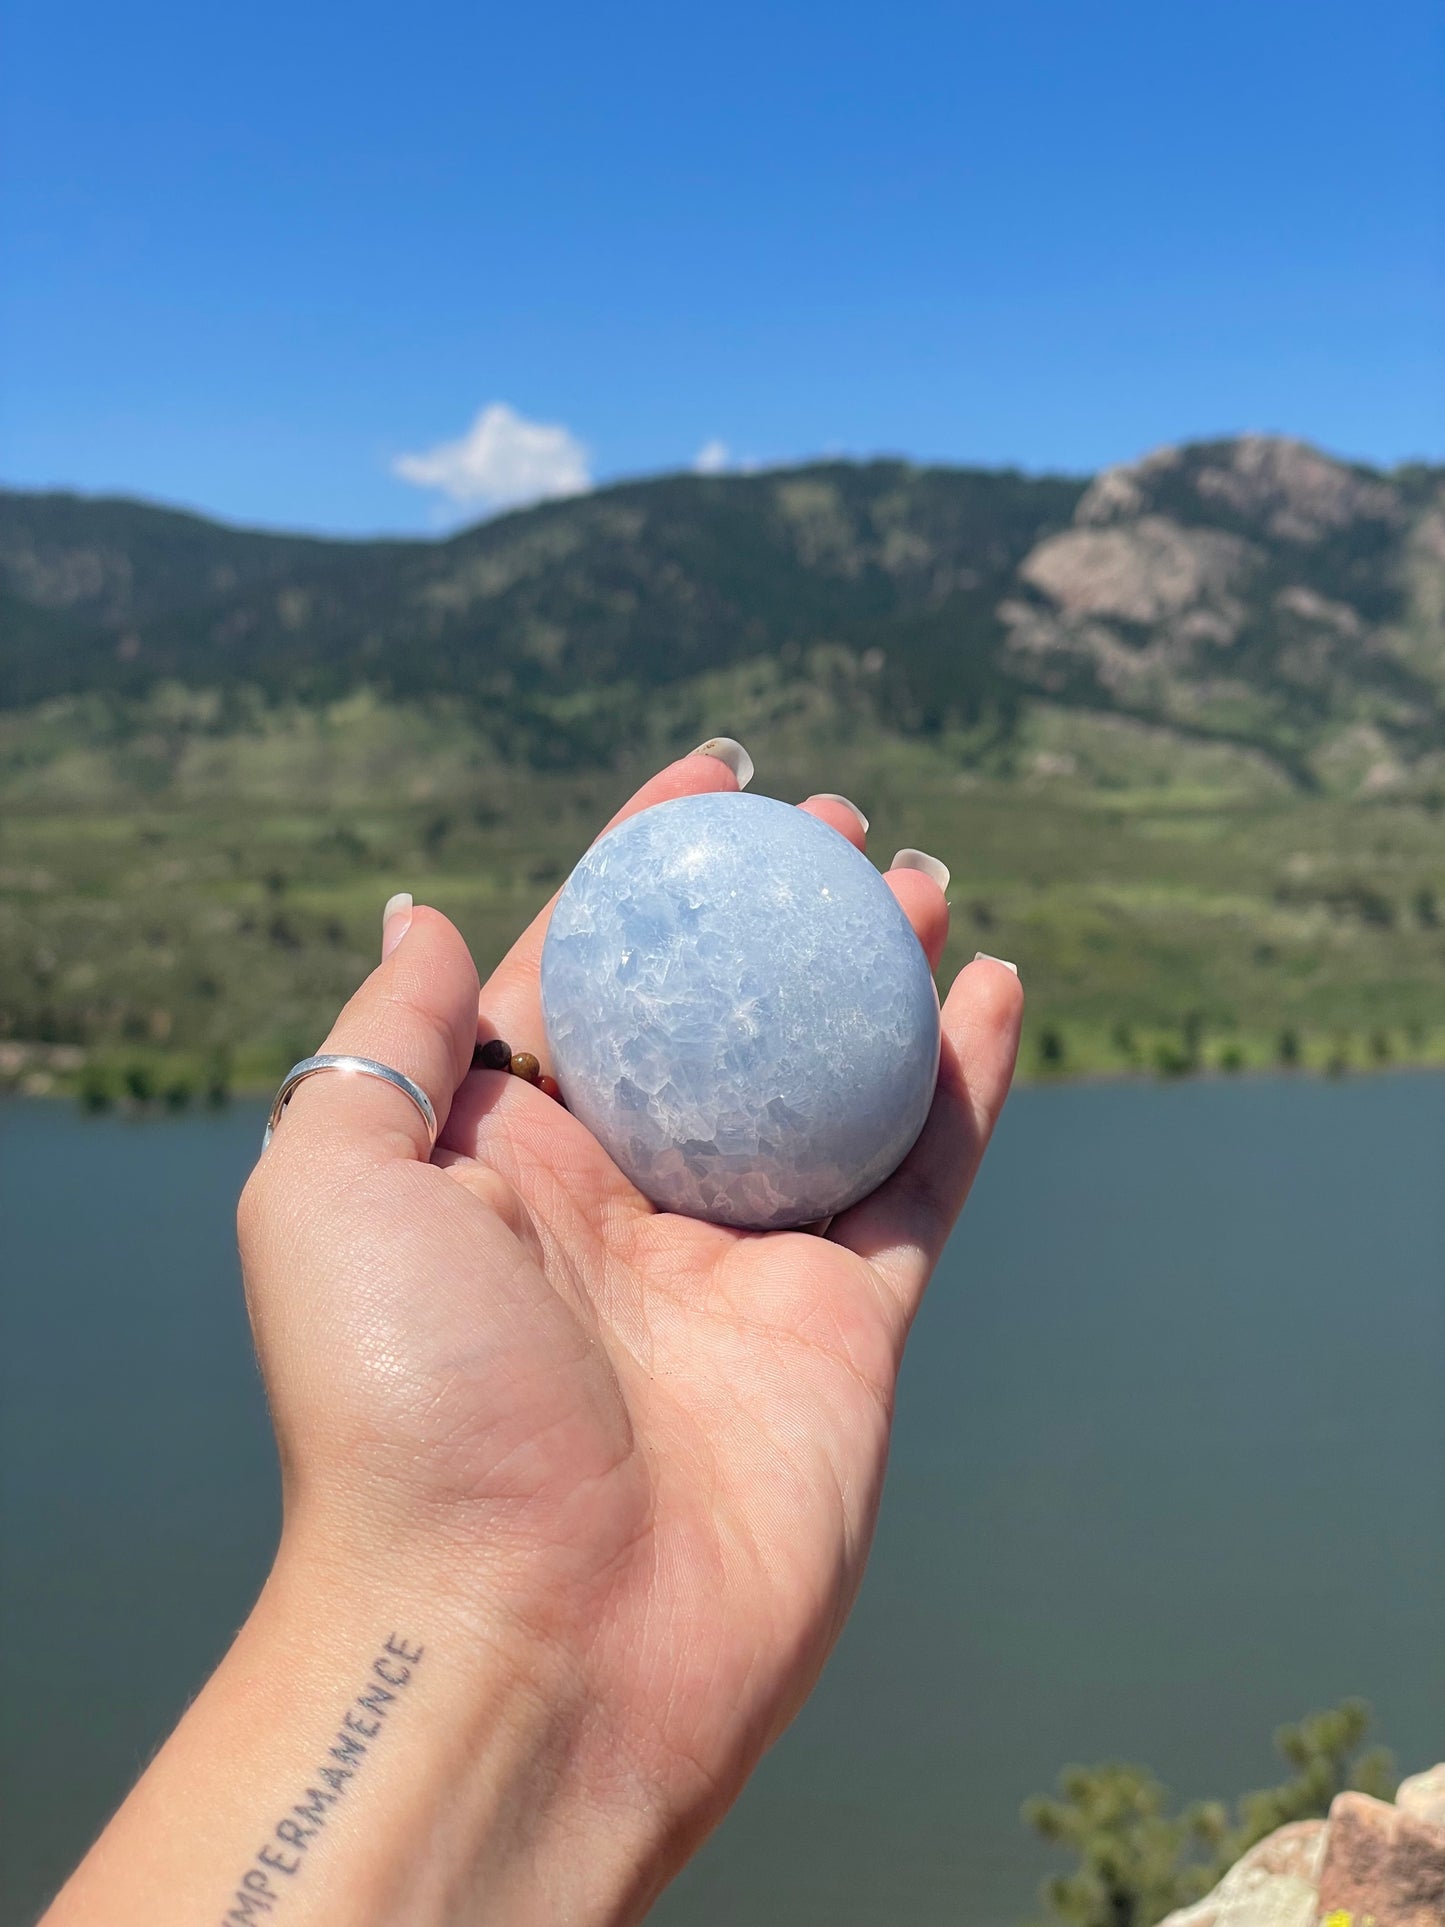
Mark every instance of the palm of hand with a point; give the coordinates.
(659, 1435)
(655, 1442)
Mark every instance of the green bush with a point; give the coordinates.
(139, 1082)
(216, 1079)
(95, 1089)
(1051, 1048)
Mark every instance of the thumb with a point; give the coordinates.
(416, 1013)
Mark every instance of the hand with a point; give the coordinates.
(627, 1463)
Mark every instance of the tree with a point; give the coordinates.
(1325, 1752)
(1137, 1861)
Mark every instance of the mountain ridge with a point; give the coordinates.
(1248, 591)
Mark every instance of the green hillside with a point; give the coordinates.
(1251, 591)
(567, 614)
(1180, 732)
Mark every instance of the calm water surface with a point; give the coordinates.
(1169, 1469)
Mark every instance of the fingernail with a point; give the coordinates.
(982, 956)
(921, 860)
(832, 796)
(395, 922)
(731, 754)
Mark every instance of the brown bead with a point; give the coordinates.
(524, 1064)
(550, 1087)
(494, 1055)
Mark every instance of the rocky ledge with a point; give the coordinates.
(1370, 1864)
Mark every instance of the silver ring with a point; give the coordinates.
(369, 1067)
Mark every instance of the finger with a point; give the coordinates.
(902, 1227)
(417, 1013)
(925, 906)
(718, 764)
(510, 1005)
(845, 817)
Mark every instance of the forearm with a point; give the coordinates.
(366, 1755)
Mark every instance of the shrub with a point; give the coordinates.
(139, 1081)
(216, 1079)
(95, 1090)
(1052, 1050)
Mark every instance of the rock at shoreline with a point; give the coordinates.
(1424, 1796)
(1274, 1885)
(1383, 1863)
(1371, 1864)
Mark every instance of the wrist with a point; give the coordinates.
(371, 1750)
(487, 1801)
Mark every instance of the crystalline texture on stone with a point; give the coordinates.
(739, 1011)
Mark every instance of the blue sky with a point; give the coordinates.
(271, 261)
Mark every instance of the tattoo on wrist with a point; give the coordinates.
(281, 1857)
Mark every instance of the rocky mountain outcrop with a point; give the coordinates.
(1371, 1864)
(1255, 590)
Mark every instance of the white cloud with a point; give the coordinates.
(712, 458)
(502, 461)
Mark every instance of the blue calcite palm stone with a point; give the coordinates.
(739, 1011)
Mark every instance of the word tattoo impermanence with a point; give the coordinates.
(263, 1885)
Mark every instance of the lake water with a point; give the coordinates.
(1169, 1469)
